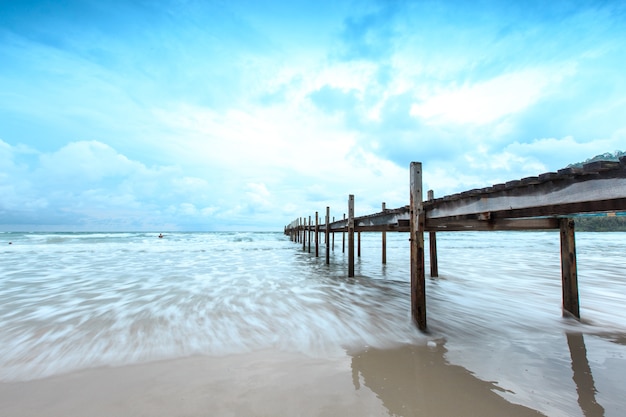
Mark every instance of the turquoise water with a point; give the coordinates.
(77, 300)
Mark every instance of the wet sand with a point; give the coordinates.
(403, 381)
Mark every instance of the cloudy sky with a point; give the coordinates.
(243, 115)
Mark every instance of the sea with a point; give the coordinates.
(73, 301)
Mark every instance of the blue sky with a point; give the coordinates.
(243, 115)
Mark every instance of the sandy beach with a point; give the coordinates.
(405, 381)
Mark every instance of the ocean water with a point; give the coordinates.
(70, 301)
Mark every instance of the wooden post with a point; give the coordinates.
(351, 235)
(359, 243)
(317, 235)
(384, 243)
(327, 235)
(418, 279)
(343, 237)
(310, 234)
(304, 234)
(333, 236)
(432, 240)
(569, 275)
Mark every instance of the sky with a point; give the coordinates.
(185, 115)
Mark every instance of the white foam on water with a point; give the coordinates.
(79, 300)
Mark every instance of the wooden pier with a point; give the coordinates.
(548, 201)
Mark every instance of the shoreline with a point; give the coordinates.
(405, 381)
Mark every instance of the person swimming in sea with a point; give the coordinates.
(160, 235)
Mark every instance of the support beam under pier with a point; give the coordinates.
(351, 235)
(569, 274)
(418, 276)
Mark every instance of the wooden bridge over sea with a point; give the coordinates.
(547, 201)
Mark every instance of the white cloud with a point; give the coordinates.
(190, 185)
(488, 101)
(567, 150)
(86, 161)
(16, 190)
(256, 141)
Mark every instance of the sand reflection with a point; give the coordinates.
(583, 378)
(418, 381)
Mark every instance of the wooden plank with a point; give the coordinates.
(590, 193)
(603, 206)
(387, 220)
(568, 268)
(387, 217)
(384, 228)
(446, 225)
(478, 222)
(598, 166)
(418, 277)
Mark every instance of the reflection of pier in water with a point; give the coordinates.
(417, 380)
(583, 378)
(547, 201)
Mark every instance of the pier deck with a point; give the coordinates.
(547, 201)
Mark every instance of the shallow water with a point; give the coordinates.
(79, 300)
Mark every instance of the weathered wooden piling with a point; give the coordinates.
(568, 268)
(384, 242)
(317, 235)
(327, 235)
(418, 280)
(432, 242)
(333, 246)
(343, 237)
(351, 235)
(309, 234)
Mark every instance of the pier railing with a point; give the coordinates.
(547, 201)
